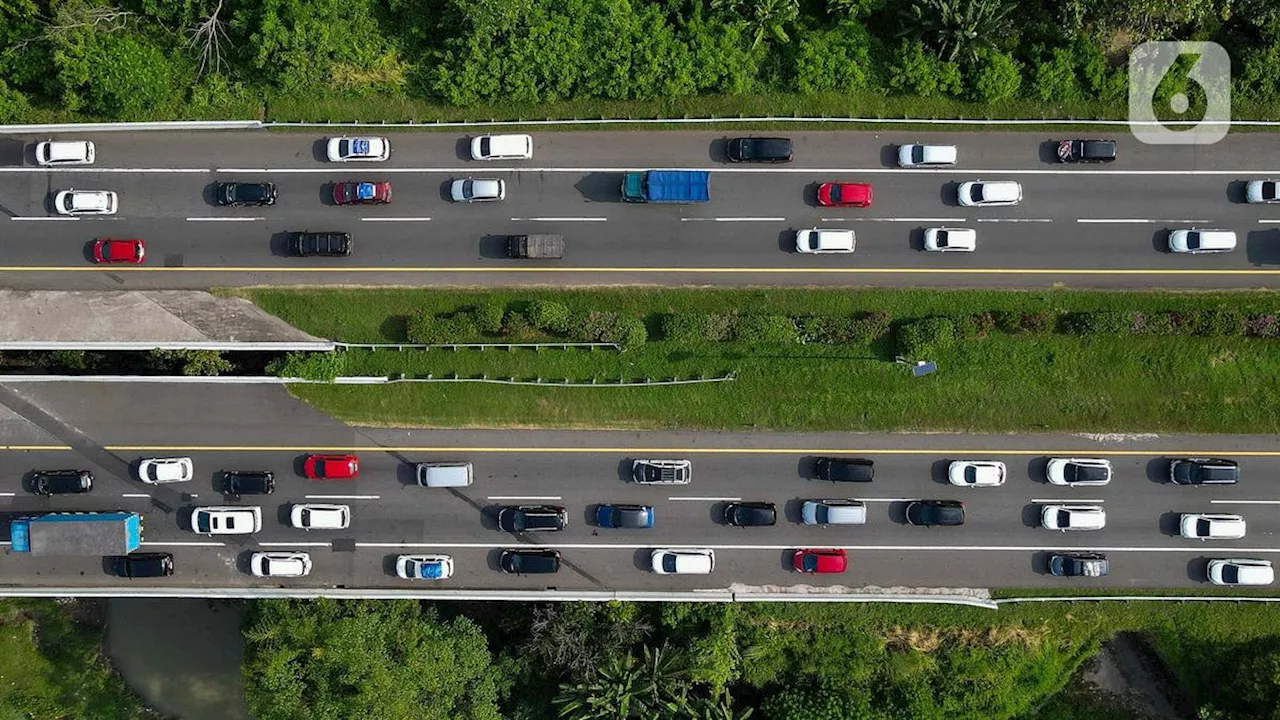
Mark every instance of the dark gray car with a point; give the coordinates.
(530, 562)
(1204, 471)
(1080, 564)
(844, 469)
(750, 514)
(533, 518)
(762, 150)
(61, 482)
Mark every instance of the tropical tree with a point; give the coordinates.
(765, 19)
(955, 27)
(652, 686)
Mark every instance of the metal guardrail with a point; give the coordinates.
(1141, 598)
(997, 122)
(481, 346)
(547, 382)
(265, 345)
(342, 380)
(130, 127)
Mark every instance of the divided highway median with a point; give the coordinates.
(805, 359)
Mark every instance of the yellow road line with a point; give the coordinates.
(655, 270)
(659, 451)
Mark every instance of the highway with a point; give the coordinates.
(106, 428)
(1079, 226)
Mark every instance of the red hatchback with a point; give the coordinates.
(362, 193)
(819, 561)
(844, 195)
(109, 251)
(331, 467)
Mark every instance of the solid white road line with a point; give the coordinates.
(523, 497)
(135, 495)
(1047, 547)
(394, 219)
(715, 169)
(8, 494)
(1244, 502)
(1136, 221)
(296, 544)
(735, 219)
(342, 497)
(224, 219)
(182, 543)
(867, 499)
(706, 499)
(42, 217)
(1066, 501)
(912, 220)
(560, 219)
(1268, 222)
(1017, 220)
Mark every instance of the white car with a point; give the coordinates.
(669, 561)
(1211, 526)
(950, 240)
(1073, 517)
(1241, 571)
(910, 156)
(976, 473)
(1197, 242)
(226, 519)
(482, 190)
(424, 567)
(989, 193)
(1262, 191)
(65, 152)
(319, 516)
(824, 241)
(280, 564)
(502, 147)
(159, 471)
(85, 202)
(1083, 472)
(365, 149)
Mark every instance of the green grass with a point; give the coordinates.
(54, 667)
(1037, 383)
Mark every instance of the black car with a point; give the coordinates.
(143, 565)
(762, 150)
(750, 514)
(844, 469)
(935, 512)
(324, 244)
(247, 482)
(1204, 471)
(1080, 564)
(1086, 151)
(61, 482)
(230, 193)
(530, 562)
(533, 518)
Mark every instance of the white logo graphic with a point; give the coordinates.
(1211, 70)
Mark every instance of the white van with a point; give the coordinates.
(1195, 241)
(65, 152)
(502, 147)
(444, 474)
(833, 512)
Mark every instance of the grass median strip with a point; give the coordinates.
(1042, 381)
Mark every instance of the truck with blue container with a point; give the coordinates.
(667, 186)
(84, 533)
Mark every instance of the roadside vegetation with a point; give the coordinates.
(397, 60)
(708, 661)
(53, 666)
(807, 359)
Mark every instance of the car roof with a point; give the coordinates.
(939, 153)
(999, 189)
(68, 149)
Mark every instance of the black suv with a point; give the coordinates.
(762, 150)
(530, 562)
(143, 565)
(247, 482)
(325, 244)
(230, 193)
(935, 512)
(1086, 151)
(1204, 471)
(533, 518)
(61, 482)
(750, 514)
(844, 469)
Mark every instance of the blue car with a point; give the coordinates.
(624, 516)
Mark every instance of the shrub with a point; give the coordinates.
(309, 365)
(1008, 321)
(1102, 322)
(599, 326)
(458, 328)
(552, 317)
(1038, 322)
(516, 326)
(1223, 323)
(71, 360)
(924, 336)
(194, 362)
(868, 327)
(631, 333)
(686, 327)
(974, 326)
(1264, 325)
(723, 326)
(994, 76)
(488, 317)
(1159, 324)
(813, 328)
(423, 328)
(776, 329)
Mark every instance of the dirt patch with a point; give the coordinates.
(1128, 670)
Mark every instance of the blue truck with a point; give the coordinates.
(667, 186)
(86, 533)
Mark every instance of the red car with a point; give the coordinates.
(362, 193)
(844, 195)
(331, 467)
(109, 251)
(820, 561)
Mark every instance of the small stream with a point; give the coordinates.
(182, 656)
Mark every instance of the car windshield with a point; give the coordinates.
(836, 195)
(942, 238)
(975, 193)
(669, 562)
(203, 522)
(917, 154)
(468, 188)
(1202, 527)
(1193, 240)
(971, 474)
(822, 513)
(1230, 574)
(810, 562)
(1269, 190)
(484, 146)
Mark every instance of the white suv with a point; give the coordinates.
(1073, 517)
(280, 564)
(1241, 571)
(318, 516)
(989, 194)
(226, 520)
(65, 152)
(825, 241)
(1211, 526)
(161, 471)
(667, 561)
(502, 147)
(910, 156)
(85, 202)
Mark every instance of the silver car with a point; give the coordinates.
(482, 190)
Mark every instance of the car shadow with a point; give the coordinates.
(407, 474)
(1236, 191)
(1031, 513)
(283, 512)
(299, 462)
(1262, 247)
(17, 153)
(1037, 469)
(950, 193)
(1040, 562)
(1198, 569)
(717, 151)
(1160, 241)
(810, 194)
(787, 241)
(1168, 524)
(624, 470)
(326, 194)
(889, 156)
(109, 563)
(389, 565)
(242, 562)
(183, 517)
(898, 511)
(446, 189)
(915, 240)
(642, 559)
(320, 150)
(1048, 151)
(494, 559)
(589, 514)
(462, 148)
(791, 510)
(1158, 470)
(493, 247)
(600, 187)
(279, 247)
(210, 194)
(785, 559)
(716, 511)
(807, 467)
(88, 252)
(938, 471)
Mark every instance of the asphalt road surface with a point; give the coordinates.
(107, 428)
(1079, 225)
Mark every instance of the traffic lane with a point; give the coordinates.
(641, 149)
